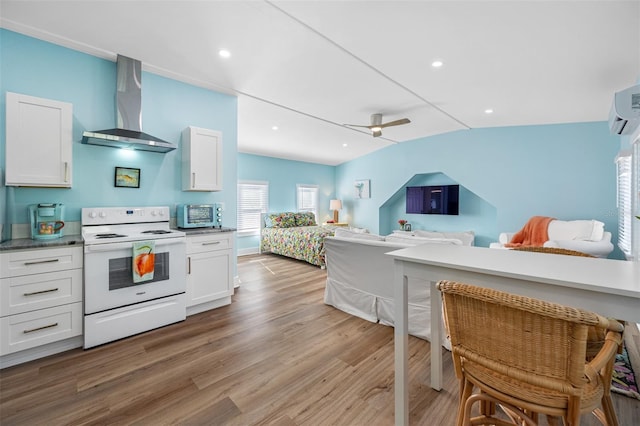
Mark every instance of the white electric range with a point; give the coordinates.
(115, 305)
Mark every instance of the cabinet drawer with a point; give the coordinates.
(30, 292)
(31, 329)
(16, 263)
(209, 242)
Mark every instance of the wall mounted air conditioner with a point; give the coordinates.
(624, 116)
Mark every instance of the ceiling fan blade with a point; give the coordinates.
(396, 122)
(376, 129)
(357, 125)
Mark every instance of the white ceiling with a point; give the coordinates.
(308, 67)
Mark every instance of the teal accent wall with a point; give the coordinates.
(37, 68)
(283, 176)
(475, 214)
(509, 174)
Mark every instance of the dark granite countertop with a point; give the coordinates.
(199, 231)
(28, 243)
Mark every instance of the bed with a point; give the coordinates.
(294, 235)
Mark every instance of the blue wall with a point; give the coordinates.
(566, 171)
(475, 214)
(283, 175)
(33, 67)
(506, 174)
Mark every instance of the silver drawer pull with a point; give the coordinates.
(42, 261)
(212, 243)
(40, 328)
(41, 291)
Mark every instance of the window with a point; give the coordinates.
(635, 189)
(307, 196)
(253, 199)
(623, 165)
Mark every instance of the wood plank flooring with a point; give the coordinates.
(277, 355)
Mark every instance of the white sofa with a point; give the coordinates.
(360, 277)
(587, 236)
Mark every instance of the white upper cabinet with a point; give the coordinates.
(201, 159)
(39, 142)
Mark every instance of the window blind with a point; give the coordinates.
(635, 202)
(253, 199)
(307, 196)
(624, 189)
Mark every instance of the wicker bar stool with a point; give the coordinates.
(596, 335)
(526, 356)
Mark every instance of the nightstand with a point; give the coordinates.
(337, 224)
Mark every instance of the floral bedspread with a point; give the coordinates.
(300, 242)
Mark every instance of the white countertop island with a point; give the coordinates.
(608, 287)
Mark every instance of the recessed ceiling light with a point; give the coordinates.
(345, 145)
(274, 128)
(488, 111)
(437, 64)
(224, 53)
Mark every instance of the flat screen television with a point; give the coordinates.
(437, 199)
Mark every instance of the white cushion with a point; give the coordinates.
(583, 230)
(359, 230)
(416, 240)
(349, 233)
(467, 237)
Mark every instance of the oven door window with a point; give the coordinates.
(121, 271)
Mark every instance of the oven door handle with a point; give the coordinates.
(95, 248)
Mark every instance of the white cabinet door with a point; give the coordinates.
(201, 160)
(39, 142)
(209, 277)
(209, 270)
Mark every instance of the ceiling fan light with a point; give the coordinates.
(376, 129)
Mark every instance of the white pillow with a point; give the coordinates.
(467, 237)
(583, 230)
(359, 230)
(414, 241)
(429, 234)
(348, 233)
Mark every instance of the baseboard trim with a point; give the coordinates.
(248, 251)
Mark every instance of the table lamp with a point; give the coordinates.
(335, 205)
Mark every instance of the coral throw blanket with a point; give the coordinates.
(534, 233)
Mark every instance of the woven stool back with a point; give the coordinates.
(525, 352)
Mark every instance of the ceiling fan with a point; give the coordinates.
(377, 125)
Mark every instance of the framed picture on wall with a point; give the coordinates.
(127, 177)
(362, 188)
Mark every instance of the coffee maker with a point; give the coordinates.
(47, 220)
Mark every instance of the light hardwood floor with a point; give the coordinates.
(277, 355)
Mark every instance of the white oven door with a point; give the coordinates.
(108, 275)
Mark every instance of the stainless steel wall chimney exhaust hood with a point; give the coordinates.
(129, 133)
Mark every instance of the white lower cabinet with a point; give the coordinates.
(209, 271)
(40, 302)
